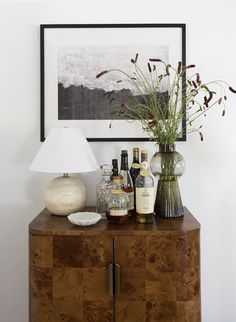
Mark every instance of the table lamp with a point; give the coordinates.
(65, 151)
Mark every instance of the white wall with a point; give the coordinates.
(208, 185)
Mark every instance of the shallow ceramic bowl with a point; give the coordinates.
(84, 218)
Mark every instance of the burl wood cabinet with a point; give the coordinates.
(114, 273)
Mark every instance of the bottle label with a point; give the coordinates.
(118, 212)
(116, 191)
(144, 200)
(130, 196)
(135, 166)
(144, 173)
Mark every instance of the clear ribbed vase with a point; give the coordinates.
(168, 165)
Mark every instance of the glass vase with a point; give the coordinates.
(168, 165)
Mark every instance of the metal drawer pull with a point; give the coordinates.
(113, 279)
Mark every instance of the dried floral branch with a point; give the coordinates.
(161, 113)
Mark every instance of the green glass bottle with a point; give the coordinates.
(135, 166)
(127, 185)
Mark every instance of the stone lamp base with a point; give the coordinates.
(65, 195)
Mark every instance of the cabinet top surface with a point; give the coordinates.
(47, 224)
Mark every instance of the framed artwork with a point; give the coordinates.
(72, 55)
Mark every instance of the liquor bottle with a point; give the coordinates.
(117, 203)
(103, 189)
(144, 155)
(144, 188)
(114, 168)
(127, 185)
(135, 166)
(135, 170)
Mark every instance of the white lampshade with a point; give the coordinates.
(65, 150)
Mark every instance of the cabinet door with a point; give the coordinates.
(80, 290)
(159, 278)
(70, 284)
(130, 303)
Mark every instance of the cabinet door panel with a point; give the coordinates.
(130, 254)
(95, 284)
(80, 265)
(97, 251)
(130, 311)
(159, 278)
(132, 284)
(69, 279)
(98, 311)
(68, 251)
(67, 284)
(130, 251)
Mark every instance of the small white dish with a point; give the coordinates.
(84, 218)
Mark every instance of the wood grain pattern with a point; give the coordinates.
(188, 311)
(41, 284)
(68, 278)
(68, 311)
(40, 312)
(161, 312)
(132, 256)
(132, 284)
(81, 251)
(130, 311)
(163, 272)
(161, 286)
(48, 224)
(97, 252)
(68, 252)
(95, 284)
(67, 284)
(159, 271)
(98, 311)
(41, 251)
(161, 253)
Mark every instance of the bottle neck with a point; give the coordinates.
(144, 157)
(124, 163)
(115, 171)
(135, 156)
(144, 171)
(114, 167)
(106, 177)
(116, 186)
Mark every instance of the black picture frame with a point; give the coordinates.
(49, 28)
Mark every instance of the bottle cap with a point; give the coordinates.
(136, 149)
(144, 151)
(114, 162)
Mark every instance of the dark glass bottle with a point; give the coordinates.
(127, 185)
(135, 170)
(114, 168)
(135, 166)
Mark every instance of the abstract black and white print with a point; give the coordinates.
(81, 96)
